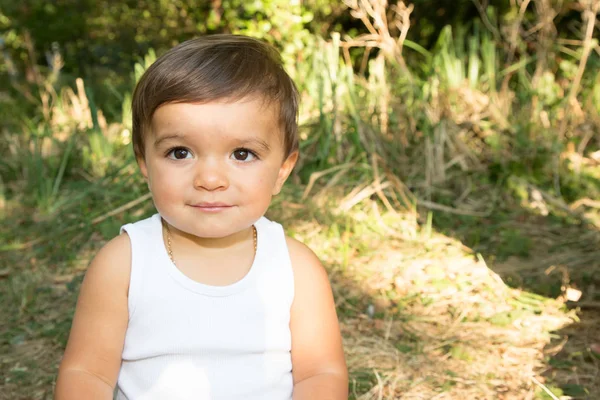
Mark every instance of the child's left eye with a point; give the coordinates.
(244, 155)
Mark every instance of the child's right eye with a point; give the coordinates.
(179, 153)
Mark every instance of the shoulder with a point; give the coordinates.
(112, 264)
(304, 261)
(298, 249)
(117, 246)
(310, 277)
(115, 251)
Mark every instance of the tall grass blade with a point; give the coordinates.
(63, 166)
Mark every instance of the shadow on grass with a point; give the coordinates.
(551, 250)
(450, 326)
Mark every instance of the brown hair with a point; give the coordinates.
(216, 67)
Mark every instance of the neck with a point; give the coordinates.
(186, 240)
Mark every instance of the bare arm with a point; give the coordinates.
(92, 359)
(318, 364)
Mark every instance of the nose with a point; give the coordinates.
(211, 175)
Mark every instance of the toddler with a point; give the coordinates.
(208, 299)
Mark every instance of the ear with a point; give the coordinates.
(143, 167)
(285, 171)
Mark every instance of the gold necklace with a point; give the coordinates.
(170, 250)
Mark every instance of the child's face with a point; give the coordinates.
(213, 168)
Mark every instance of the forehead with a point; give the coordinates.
(230, 117)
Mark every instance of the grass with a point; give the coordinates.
(421, 314)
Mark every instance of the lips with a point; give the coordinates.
(211, 207)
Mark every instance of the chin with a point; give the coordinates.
(211, 231)
(210, 225)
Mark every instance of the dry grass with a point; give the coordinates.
(444, 325)
(423, 317)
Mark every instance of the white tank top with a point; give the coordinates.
(188, 340)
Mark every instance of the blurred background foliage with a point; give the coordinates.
(465, 104)
(470, 107)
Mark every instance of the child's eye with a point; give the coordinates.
(244, 155)
(179, 153)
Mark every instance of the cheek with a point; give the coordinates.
(268, 179)
(259, 184)
(162, 186)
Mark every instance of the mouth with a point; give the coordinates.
(211, 207)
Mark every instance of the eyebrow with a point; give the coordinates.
(165, 138)
(264, 146)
